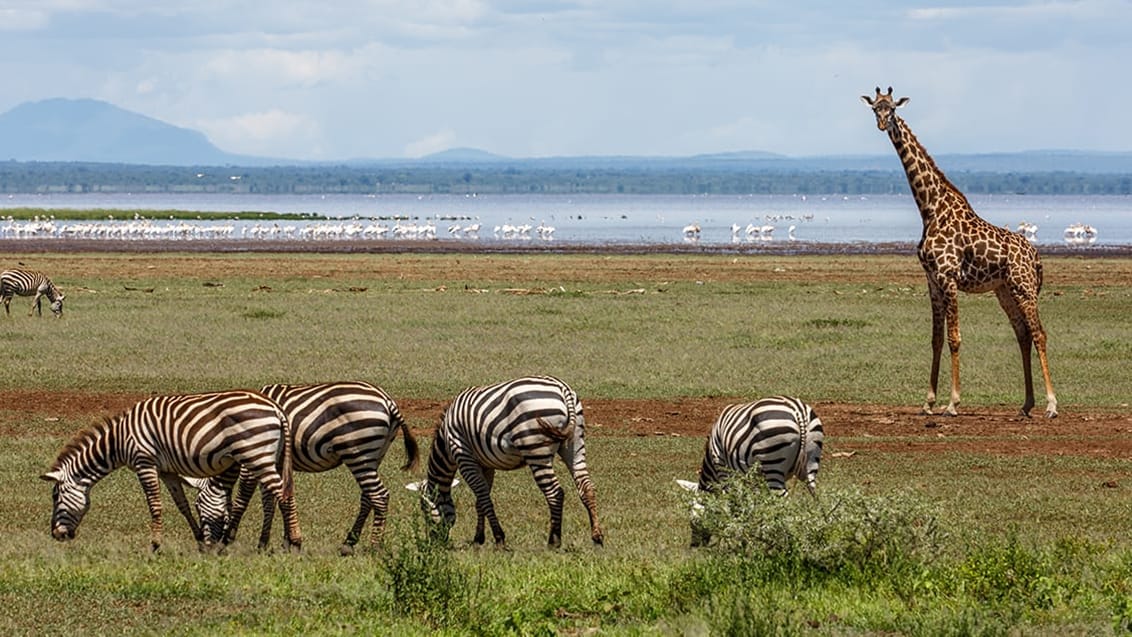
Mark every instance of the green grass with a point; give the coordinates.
(104, 214)
(829, 341)
(1032, 544)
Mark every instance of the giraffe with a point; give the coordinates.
(960, 251)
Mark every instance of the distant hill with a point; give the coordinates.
(86, 130)
(92, 131)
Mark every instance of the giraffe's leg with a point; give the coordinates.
(1012, 306)
(939, 317)
(1038, 334)
(953, 342)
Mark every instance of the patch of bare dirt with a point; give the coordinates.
(996, 432)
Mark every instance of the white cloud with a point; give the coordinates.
(434, 143)
(273, 132)
(22, 19)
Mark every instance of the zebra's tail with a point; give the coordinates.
(286, 464)
(412, 451)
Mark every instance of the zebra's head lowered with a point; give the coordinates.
(437, 503)
(213, 508)
(70, 502)
(57, 306)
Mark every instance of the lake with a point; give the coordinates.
(584, 218)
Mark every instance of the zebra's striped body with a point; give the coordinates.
(350, 423)
(522, 422)
(166, 437)
(30, 283)
(780, 435)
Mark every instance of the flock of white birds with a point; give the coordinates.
(140, 228)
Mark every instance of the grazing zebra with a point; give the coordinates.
(780, 435)
(350, 423)
(501, 427)
(166, 437)
(28, 283)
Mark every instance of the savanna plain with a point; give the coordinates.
(986, 523)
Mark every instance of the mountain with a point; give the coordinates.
(86, 130)
(463, 156)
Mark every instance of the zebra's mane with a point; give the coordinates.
(82, 440)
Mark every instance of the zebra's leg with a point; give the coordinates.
(268, 518)
(477, 481)
(574, 455)
(177, 490)
(151, 486)
(548, 483)
(7, 302)
(489, 478)
(589, 500)
(374, 497)
(244, 494)
(377, 500)
(272, 483)
(36, 305)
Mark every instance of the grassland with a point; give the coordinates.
(1033, 514)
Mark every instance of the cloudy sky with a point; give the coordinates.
(346, 79)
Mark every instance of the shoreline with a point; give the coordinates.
(454, 246)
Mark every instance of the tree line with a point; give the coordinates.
(424, 178)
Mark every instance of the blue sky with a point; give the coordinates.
(346, 79)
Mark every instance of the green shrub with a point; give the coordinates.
(842, 532)
(425, 582)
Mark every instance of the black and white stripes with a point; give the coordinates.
(20, 282)
(166, 437)
(501, 427)
(779, 436)
(350, 423)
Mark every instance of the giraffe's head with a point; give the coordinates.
(884, 107)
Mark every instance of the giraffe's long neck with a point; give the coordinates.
(927, 181)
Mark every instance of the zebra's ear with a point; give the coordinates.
(688, 485)
(52, 476)
(415, 486)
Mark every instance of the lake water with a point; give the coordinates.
(585, 219)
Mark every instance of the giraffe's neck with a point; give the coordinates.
(927, 181)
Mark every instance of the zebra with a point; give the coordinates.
(166, 437)
(332, 424)
(501, 427)
(781, 435)
(27, 283)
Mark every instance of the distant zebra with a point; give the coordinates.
(166, 437)
(521, 422)
(781, 435)
(332, 424)
(28, 283)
